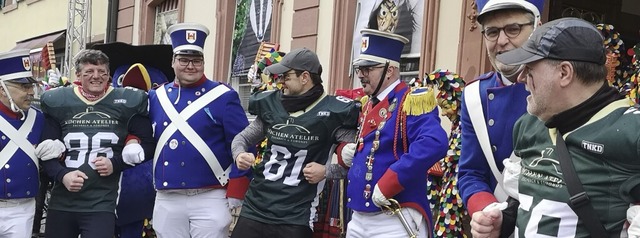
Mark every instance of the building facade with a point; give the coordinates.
(444, 34)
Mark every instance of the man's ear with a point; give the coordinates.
(390, 71)
(567, 74)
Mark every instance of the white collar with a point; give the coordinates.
(387, 90)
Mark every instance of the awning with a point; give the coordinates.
(39, 41)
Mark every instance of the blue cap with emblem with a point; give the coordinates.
(188, 38)
(486, 6)
(15, 66)
(378, 47)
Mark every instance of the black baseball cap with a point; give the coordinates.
(298, 59)
(569, 39)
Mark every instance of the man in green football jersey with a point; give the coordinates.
(571, 101)
(301, 124)
(103, 131)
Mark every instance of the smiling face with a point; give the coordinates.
(295, 84)
(448, 109)
(93, 78)
(189, 69)
(504, 43)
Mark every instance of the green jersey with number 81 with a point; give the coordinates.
(605, 154)
(91, 129)
(279, 193)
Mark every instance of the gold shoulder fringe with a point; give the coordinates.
(419, 101)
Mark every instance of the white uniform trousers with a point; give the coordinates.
(383, 225)
(16, 217)
(196, 213)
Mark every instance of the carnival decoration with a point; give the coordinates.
(443, 192)
(260, 81)
(618, 67)
(634, 93)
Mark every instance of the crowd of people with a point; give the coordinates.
(542, 146)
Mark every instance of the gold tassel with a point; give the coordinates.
(364, 99)
(419, 101)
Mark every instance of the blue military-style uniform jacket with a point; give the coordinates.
(178, 164)
(502, 105)
(400, 173)
(19, 175)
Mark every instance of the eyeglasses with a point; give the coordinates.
(185, 61)
(365, 70)
(23, 86)
(511, 30)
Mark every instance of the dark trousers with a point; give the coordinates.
(247, 228)
(45, 183)
(131, 230)
(61, 224)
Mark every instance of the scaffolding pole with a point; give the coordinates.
(78, 30)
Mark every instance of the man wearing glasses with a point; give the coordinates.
(490, 106)
(103, 131)
(301, 123)
(400, 138)
(20, 127)
(194, 119)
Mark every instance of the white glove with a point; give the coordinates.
(633, 214)
(347, 153)
(54, 78)
(50, 149)
(234, 203)
(133, 154)
(511, 175)
(496, 205)
(378, 198)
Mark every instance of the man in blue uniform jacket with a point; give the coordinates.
(194, 119)
(492, 103)
(20, 129)
(400, 138)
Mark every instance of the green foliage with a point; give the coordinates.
(240, 26)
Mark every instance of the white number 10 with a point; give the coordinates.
(560, 210)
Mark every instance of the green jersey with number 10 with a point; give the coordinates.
(604, 152)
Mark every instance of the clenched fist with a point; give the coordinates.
(314, 172)
(74, 180)
(245, 160)
(103, 166)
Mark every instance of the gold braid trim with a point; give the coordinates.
(364, 99)
(419, 101)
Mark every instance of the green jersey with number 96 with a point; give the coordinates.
(89, 130)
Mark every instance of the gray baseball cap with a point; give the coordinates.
(298, 59)
(570, 39)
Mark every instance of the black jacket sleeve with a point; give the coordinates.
(53, 168)
(509, 216)
(140, 126)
